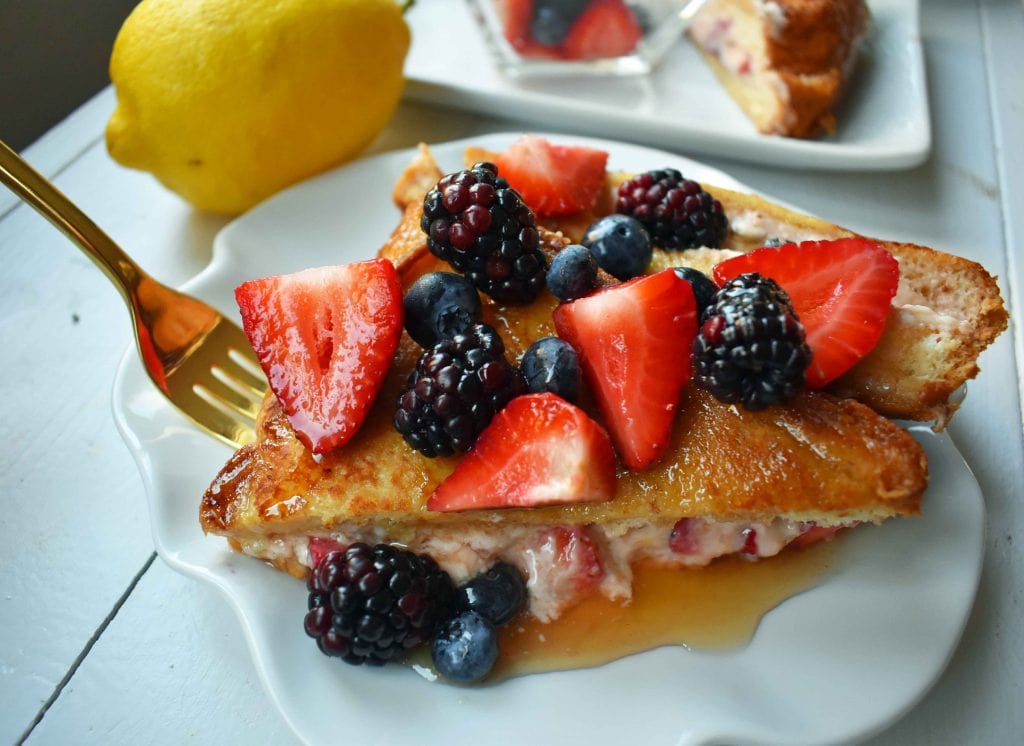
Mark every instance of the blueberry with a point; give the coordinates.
(704, 288)
(465, 649)
(620, 244)
(553, 18)
(440, 305)
(497, 595)
(573, 273)
(551, 364)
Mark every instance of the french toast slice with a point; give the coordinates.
(785, 63)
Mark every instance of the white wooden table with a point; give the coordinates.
(101, 643)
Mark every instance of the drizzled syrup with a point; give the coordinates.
(709, 608)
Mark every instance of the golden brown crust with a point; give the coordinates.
(923, 358)
(417, 179)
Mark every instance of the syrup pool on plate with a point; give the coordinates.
(717, 607)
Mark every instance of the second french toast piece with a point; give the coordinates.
(785, 62)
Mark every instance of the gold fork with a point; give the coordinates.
(198, 358)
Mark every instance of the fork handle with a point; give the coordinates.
(50, 202)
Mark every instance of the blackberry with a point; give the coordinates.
(458, 385)
(751, 348)
(477, 223)
(371, 605)
(677, 212)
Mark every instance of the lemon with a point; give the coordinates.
(229, 101)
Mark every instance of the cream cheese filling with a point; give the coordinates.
(561, 563)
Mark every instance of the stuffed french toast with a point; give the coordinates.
(551, 374)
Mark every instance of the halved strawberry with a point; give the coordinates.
(554, 179)
(634, 343)
(326, 338)
(842, 291)
(538, 450)
(607, 28)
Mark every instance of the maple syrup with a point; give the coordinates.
(710, 608)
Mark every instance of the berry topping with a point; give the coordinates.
(620, 244)
(440, 305)
(678, 213)
(456, 388)
(634, 344)
(606, 28)
(551, 364)
(750, 348)
(573, 273)
(554, 179)
(842, 291)
(326, 338)
(497, 595)
(371, 605)
(539, 450)
(482, 227)
(703, 287)
(466, 648)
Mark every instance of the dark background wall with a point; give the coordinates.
(53, 57)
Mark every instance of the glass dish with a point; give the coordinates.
(598, 37)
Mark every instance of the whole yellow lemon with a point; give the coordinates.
(229, 101)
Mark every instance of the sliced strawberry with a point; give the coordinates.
(320, 546)
(538, 450)
(607, 28)
(634, 343)
(326, 338)
(554, 179)
(842, 291)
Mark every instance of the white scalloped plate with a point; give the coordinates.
(837, 662)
